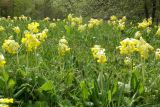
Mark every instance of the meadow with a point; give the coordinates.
(75, 62)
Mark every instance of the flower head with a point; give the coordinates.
(10, 46)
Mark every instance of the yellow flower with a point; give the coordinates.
(94, 22)
(10, 46)
(63, 46)
(144, 48)
(16, 30)
(99, 54)
(2, 61)
(158, 32)
(30, 41)
(42, 36)
(113, 18)
(81, 28)
(1, 29)
(4, 105)
(145, 23)
(33, 27)
(6, 100)
(128, 46)
(157, 54)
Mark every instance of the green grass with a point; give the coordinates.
(76, 79)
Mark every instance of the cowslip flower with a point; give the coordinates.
(43, 35)
(145, 23)
(94, 22)
(33, 27)
(6, 100)
(10, 46)
(81, 28)
(16, 30)
(2, 61)
(157, 54)
(128, 46)
(63, 46)
(30, 41)
(113, 18)
(99, 54)
(158, 32)
(2, 28)
(144, 48)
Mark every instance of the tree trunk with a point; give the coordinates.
(153, 9)
(146, 9)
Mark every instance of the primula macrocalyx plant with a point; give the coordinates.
(94, 22)
(10, 46)
(2, 28)
(63, 46)
(6, 100)
(33, 27)
(16, 30)
(82, 28)
(129, 46)
(157, 54)
(158, 31)
(30, 41)
(43, 35)
(146, 23)
(2, 61)
(74, 20)
(99, 54)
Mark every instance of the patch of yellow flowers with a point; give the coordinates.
(130, 45)
(94, 22)
(10, 46)
(32, 39)
(99, 54)
(145, 23)
(119, 23)
(2, 61)
(16, 30)
(5, 101)
(63, 46)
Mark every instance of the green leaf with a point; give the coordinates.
(11, 83)
(48, 86)
(141, 88)
(115, 87)
(84, 90)
(109, 96)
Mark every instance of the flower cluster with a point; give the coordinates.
(2, 61)
(16, 30)
(33, 27)
(30, 41)
(74, 20)
(158, 31)
(5, 101)
(130, 45)
(99, 54)
(32, 38)
(157, 54)
(145, 23)
(10, 46)
(2, 28)
(119, 23)
(94, 22)
(63, 46)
